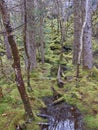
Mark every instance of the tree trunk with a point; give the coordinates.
(7, 46)
(26, 47)
(42, 40)
(32, 50)
(77, 31)
(62, 39)
(31, 34)
(15, 53)
(6, 43)
(41, 37)
(87, 39)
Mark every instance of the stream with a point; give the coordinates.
(60, 116)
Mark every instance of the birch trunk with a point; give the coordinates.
(87, 39)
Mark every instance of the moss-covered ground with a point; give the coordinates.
(82, 93)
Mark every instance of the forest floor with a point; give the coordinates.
(84, 97)
(82, 93)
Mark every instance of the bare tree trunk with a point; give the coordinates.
(62, 33)
(6, 43)
(40, 7)
(42, 40)
(77, 31)
(32, 50)
(84, 20)
(87, 39)
(58, 15)
(7, 46)
(31, 34)
(16, 64)
(26, 46)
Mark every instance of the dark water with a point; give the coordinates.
(62, 125)
(61, 116)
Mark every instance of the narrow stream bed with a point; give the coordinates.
(60, 116)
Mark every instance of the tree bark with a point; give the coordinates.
(42, 40)
(77, 31)
(41, 7)
(31, 34)
(7, 46)
(16, 58)
(62, 39)
(87, 39)
(6, 43)
(25, 45)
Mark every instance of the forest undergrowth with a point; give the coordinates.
(82, 93)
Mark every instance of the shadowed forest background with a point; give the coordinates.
(48, 48)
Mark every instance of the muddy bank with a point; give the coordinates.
(60, 116)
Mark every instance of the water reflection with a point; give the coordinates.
(61, 116)
(62, 125)
(68, 124)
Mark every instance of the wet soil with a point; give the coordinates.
(60, 116)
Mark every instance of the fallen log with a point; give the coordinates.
(43, 124)
(58, 101)
(56, 94)
(43, 116)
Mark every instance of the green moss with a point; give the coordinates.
(17, 119)
(3, 107)
(85, 96)
(54, 46)
(91, 122)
